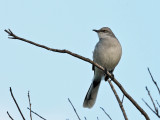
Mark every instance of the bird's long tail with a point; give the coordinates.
(91, 95)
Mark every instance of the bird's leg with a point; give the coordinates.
(106, 75)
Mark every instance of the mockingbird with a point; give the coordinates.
(107, 53)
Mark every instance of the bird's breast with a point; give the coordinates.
(107, 54)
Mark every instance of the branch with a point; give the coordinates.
(36, 114)
(151, 108)
(154, 81)
(9, 116)
(119, 101)
(30, 105)
(152, 100)
(74, 109)
(13, 36)
(106, 113)
(155, 111)
(16, 103)
(148, 106)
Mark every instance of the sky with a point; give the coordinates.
(52, 78)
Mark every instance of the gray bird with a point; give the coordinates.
(107, 53)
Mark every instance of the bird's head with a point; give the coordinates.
(104, 32)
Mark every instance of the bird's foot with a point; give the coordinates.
(112, 76)
(107, 76)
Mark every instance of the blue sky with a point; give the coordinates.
(52, 78)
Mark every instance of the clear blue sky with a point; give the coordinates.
(51, 77)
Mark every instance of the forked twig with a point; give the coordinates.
(148, 106)
(155, 111)
(36, 114)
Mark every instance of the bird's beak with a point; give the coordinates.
(95, 30)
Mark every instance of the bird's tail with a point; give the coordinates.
(91, 95)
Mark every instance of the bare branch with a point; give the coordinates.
(30, 105)
(85, 118)
(106, 113)
(74, 109)
(151, 108)
(13, 36)
(148, 106)
(156, 110)
(16, 103)
(154, 81)
(36, 114)
(9, 116)
(97, 118)
(118, 100)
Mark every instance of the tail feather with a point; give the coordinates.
(91, 95)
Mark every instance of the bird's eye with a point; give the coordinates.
(103, 30)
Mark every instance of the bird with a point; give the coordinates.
(107, 53)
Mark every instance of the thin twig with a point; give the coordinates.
(16, 103)
(118, 100)
(74, 109)
(156, 110)
(106, 113)
(154, 81)
(30, 105)
(9, 116)
(97, 118)
(148, 106)
(37, 114)
(85, 118)
(151, 108)
(122, 99)
(13, 36)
